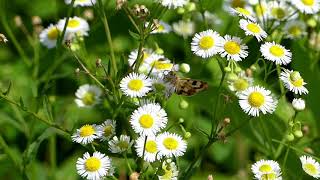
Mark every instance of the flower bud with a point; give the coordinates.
(77, 71)
(227, 69)
(290, 137)
(226, 121)
(143, 70)
(295, 75)
(88, 14)
(3, 38)
(159, 51)
(249, 72)
(232, 77)
(134, 176)
(308, 150)
(183, 104)
(305, 129)
(187, 135)
(181, 120)
(190, 6)
(36, 20)
(312, 22)
(298, 133)
(210, 177)
(98, 63)
(253, 67)
(120, 3)
(181, 10)
(238, 69)
(18, 21)
(184, 67)
(298, 104)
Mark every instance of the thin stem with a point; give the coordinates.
(280, 84)
(128, 164)
(144, 150)
(53, 155)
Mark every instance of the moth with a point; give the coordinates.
(186, 86)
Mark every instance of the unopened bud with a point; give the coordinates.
(36, 20)
(187, 135)
(308, 150)
(183, 104)
(134, 176)
(253, 67)
(298, 133)
(295, 75)
(249, 72)
(98, 63)
(238, 69)
(181, 10)
(226, 121)
(290, 137)
(190, 6)
(77, 71)
(159, 51)
(143, 70)
(210, 177)
(227, 69)
(298, 104)
(181, 120)
(232, 77)
(312, 22)
(18, 21)
(184, 67)
(305, 129)
(88, 14)
(120, 3)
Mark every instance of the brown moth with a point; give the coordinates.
(186, 86)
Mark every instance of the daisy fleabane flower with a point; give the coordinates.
(119, 145)
(295, 29)
(75, 26)
(310, 166)
(293, 81)
(241, 83)
(170, 170)
(266, 170)
(205, 44)
(243, 12)
(298, 104)
(160, 28)
(135, 85)
(49, 36)
(232, 48)
(173, 4)
(276, 53)
(94, 167)
(307, 6)
(108, 129)
(150, 148)
(253, 29)
(170, 144)
(256, 99)
(86, 134)
(88, 95)
(148, 119)
(81, 2)
(184, 28)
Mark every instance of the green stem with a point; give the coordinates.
(53, 155)
(8, 151)
(127, 162)
(280, 84)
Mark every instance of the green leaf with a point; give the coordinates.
(8, 89)
(134, 35)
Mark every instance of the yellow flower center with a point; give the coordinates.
(53, 33)
(170, 143)
(81, 0)
(232, 47)
(265, 168)
(146, 121)
(88, 98)
(162, 66)
(260, 10)
(151, 146)
(243, 11)
(295, 31)
(93, 164)
(161, 28)
(279, 13)
(269, 176)
(86, 130)
(168, 173)
(107, 130)
(145, 55)
(238, 3)
(241, 84)
(135, 84)
(310, 169)
(256, 99)
(206, 42)
(253, 28)
(308, 2)
(276, 51)
(73, 23)
(298, 82)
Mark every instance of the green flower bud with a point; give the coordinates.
(298, 133)
(181, 120)
(183, 104)
(312, 22)
(290, 137)
(232, 77)
(238, 69)
(143, 70)
(187, 135)
(184, 67)
(181, 10)
(159, 51)
(295, 75)
(227, 69)
(191, 6)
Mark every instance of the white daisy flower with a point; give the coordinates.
(49, 36)
(293, 81)
(298, 104)
(158, 64)
(119, 145)
(295, 29)
(160, 28)
(243, 12)
(150, 148)
(310, 166)
(232, 48)
(280, 10)
(86, 134)
(261, 11)
(256, 99)
(242, 83)
(76, 26)
(108, 129)
(307, 6)
(205, 44)
(81, 2)
(94, 167)
(171, 171)
(276, 53)
(171, 144)
(184, 28)
(173, 4)
(135, 85)
(266, 170)
(148, 119)
(134, 54)
(88, 95)
(253, 29)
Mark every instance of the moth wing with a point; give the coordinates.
(189, 87)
